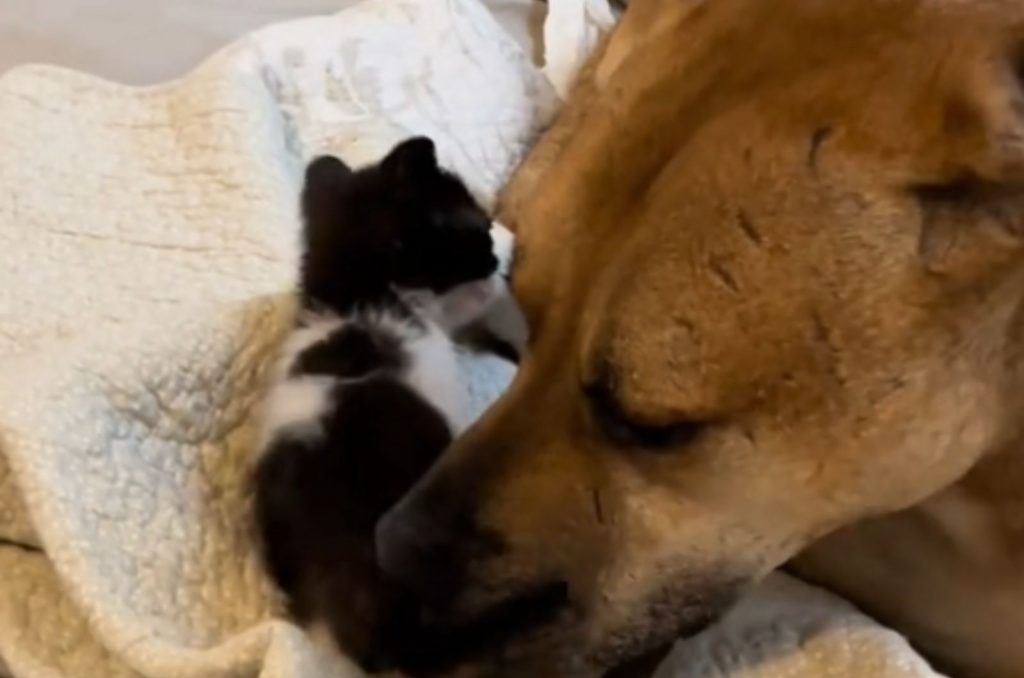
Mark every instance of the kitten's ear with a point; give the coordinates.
(327, 172)
(411, 160)
(325, 177)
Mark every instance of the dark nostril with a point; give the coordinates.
(396, 546)
(416, 553)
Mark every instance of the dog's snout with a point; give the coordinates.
(425, 545)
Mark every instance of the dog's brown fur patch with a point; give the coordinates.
(773, 270)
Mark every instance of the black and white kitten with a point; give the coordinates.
(367, 395)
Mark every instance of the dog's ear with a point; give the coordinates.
(411, 161)
(974, 213)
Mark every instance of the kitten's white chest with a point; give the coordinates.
(434, 373)
(296, 406)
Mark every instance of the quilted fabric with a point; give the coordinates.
(149, 241)
(149, 244)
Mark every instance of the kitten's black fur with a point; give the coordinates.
(322, 483)
(404, 222)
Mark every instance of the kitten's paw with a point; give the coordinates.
(504, 247)
(470, 301)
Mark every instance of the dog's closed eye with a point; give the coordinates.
(626, 430)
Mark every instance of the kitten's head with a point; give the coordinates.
(402, 223)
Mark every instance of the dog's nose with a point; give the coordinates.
(426, 544)
(417, 552)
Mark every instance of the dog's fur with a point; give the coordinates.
(772, 255)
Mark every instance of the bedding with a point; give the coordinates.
(143, 43)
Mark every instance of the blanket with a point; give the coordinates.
(149, 244)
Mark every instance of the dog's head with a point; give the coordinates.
(774, 283)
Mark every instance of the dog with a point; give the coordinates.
(772, 259)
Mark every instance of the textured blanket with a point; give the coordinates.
(148, 244)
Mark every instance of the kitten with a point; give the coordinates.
(367, 394)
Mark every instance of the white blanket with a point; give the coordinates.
(148, 242)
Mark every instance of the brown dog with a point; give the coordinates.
(772, 256)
